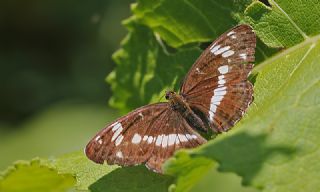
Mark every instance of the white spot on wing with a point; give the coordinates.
(189, 136)
(119, 140)
(220, 77)
(211, 113)
(118, 131)
(214, 108)
(219, 92)
(214, 48)
(150, 139)
(182, 138)
(164, 141)
(223, 49)
(159, 140)
(231, 33)
(223, 69)
(145, 137)
(172, 139)
(212, 45)
(116, 126)
(136, 139)
(243, 56)
(177, 140)
(233, 37)
(216, 99)
(97, 138)
(141, 115)
(228, 53)
(221, 82)
(119, 154)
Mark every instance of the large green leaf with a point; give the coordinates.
(277, 143)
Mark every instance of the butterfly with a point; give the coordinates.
(214, 95)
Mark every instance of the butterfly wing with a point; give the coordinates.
(217, 84)
(150, 135)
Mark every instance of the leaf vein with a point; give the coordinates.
(291, 21)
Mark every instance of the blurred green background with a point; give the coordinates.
(54, 57)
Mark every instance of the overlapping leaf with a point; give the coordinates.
(32, 176)
(180, 22)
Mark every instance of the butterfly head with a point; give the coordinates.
(169, 95)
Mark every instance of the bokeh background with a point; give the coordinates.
(54, 57)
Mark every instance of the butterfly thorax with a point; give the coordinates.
(179, 104)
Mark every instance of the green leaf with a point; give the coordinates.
(189, 170)
(286, 23)
(85, 171)
(180, 22)
(135, 179)
(277, 143)
(200, 174)
(142, 73)
(32, 176)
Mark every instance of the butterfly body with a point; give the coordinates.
(180, 105)
(212, 98)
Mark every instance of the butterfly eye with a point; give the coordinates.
(167, 96)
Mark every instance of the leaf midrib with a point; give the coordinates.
(289, 18)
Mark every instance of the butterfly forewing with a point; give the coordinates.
(150, 135)
(217, 84)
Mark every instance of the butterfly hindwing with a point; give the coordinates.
(150, 134)
(217, 84)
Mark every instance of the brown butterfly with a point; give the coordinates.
(213, 97)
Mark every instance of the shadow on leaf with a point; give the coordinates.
(245, 154)
(133, 179)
